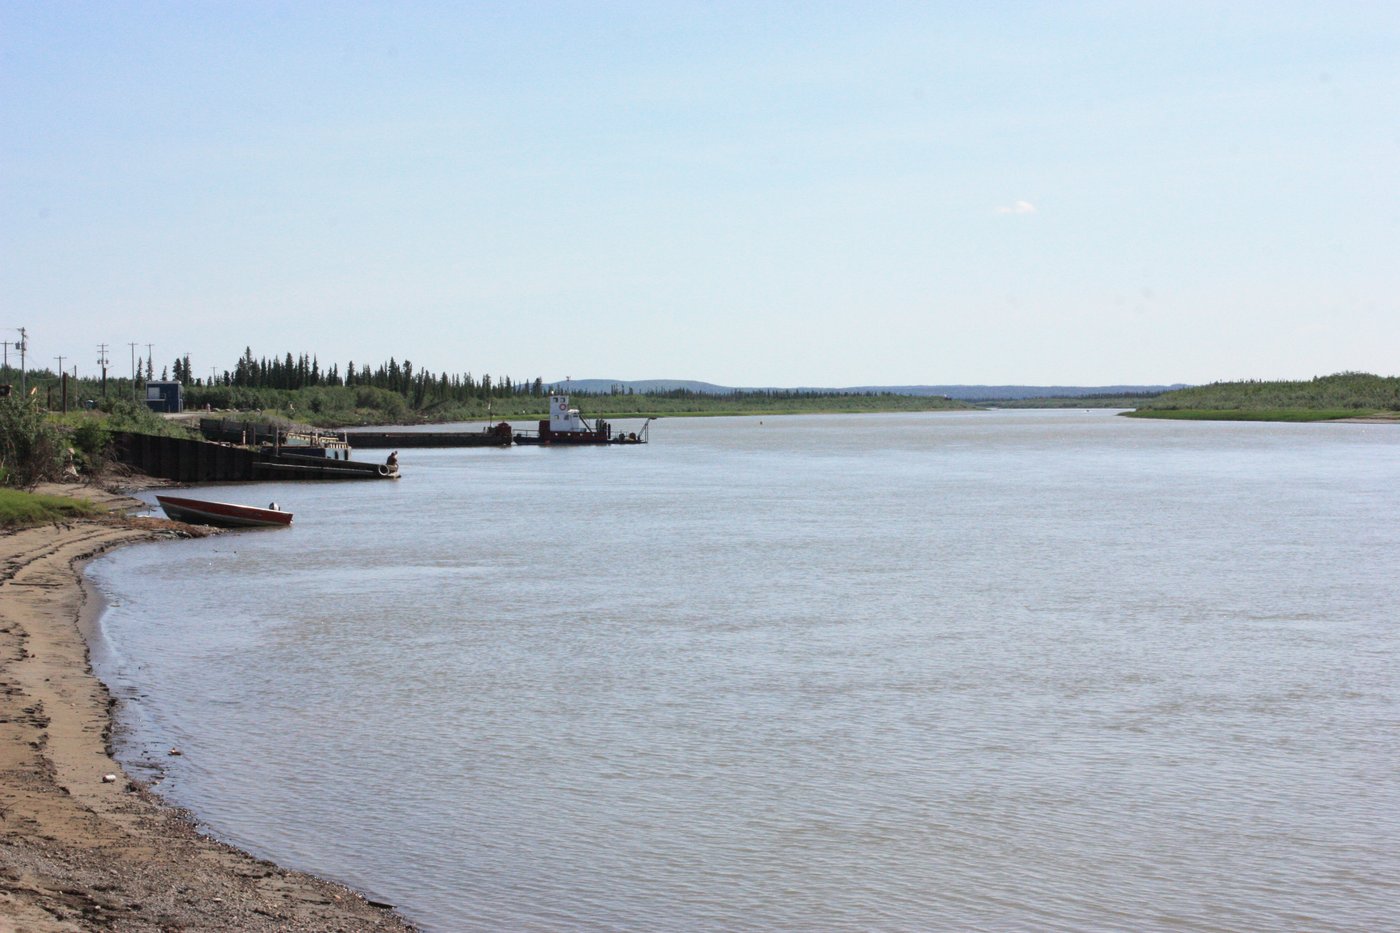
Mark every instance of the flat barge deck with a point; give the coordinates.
(498, 435)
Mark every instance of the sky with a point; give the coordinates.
(748, 193)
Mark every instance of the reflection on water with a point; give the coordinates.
(1002, 670)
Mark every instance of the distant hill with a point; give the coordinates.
(961, 392)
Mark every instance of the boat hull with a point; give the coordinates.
(498, 435)
(222, 514)
(568, 438)
(574, 439)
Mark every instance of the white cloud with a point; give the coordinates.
(1020, 207)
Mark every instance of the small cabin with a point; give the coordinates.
(165, 397)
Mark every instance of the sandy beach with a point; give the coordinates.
(82, 846)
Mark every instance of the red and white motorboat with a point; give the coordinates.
(223, 514)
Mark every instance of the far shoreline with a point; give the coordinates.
(1274, 415)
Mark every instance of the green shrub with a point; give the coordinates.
(389, 404)
(126, 415)
(92, 441)
(30, 448)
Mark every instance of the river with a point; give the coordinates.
(994, 670)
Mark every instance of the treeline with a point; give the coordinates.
(1091, 400)
(299, 388)
(1347, 391)
(420, 387)
(335, 406)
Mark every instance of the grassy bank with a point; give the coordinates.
(1342, 395)
(1240, 414)
(18, 509)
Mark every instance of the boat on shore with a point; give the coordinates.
(223, 514)
(565, 426)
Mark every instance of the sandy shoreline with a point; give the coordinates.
(81, 853)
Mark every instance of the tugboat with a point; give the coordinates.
(564, 426)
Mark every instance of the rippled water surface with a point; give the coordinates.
(1004, 670)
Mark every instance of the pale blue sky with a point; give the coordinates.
(746, 193)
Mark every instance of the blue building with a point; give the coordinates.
(165, 397)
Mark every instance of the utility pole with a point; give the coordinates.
(23, 370)
(133, 371)
(102, 361)
(63, 381)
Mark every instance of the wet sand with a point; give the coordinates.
(80, 851)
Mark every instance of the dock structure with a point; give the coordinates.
(192, 461)
(258, 432)
(497, 435)
(255, 433)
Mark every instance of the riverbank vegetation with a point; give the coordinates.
(1342, 395)
(1246, 414)
(337, 406)
(31, 447)
(37, 446)
(18, 508)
